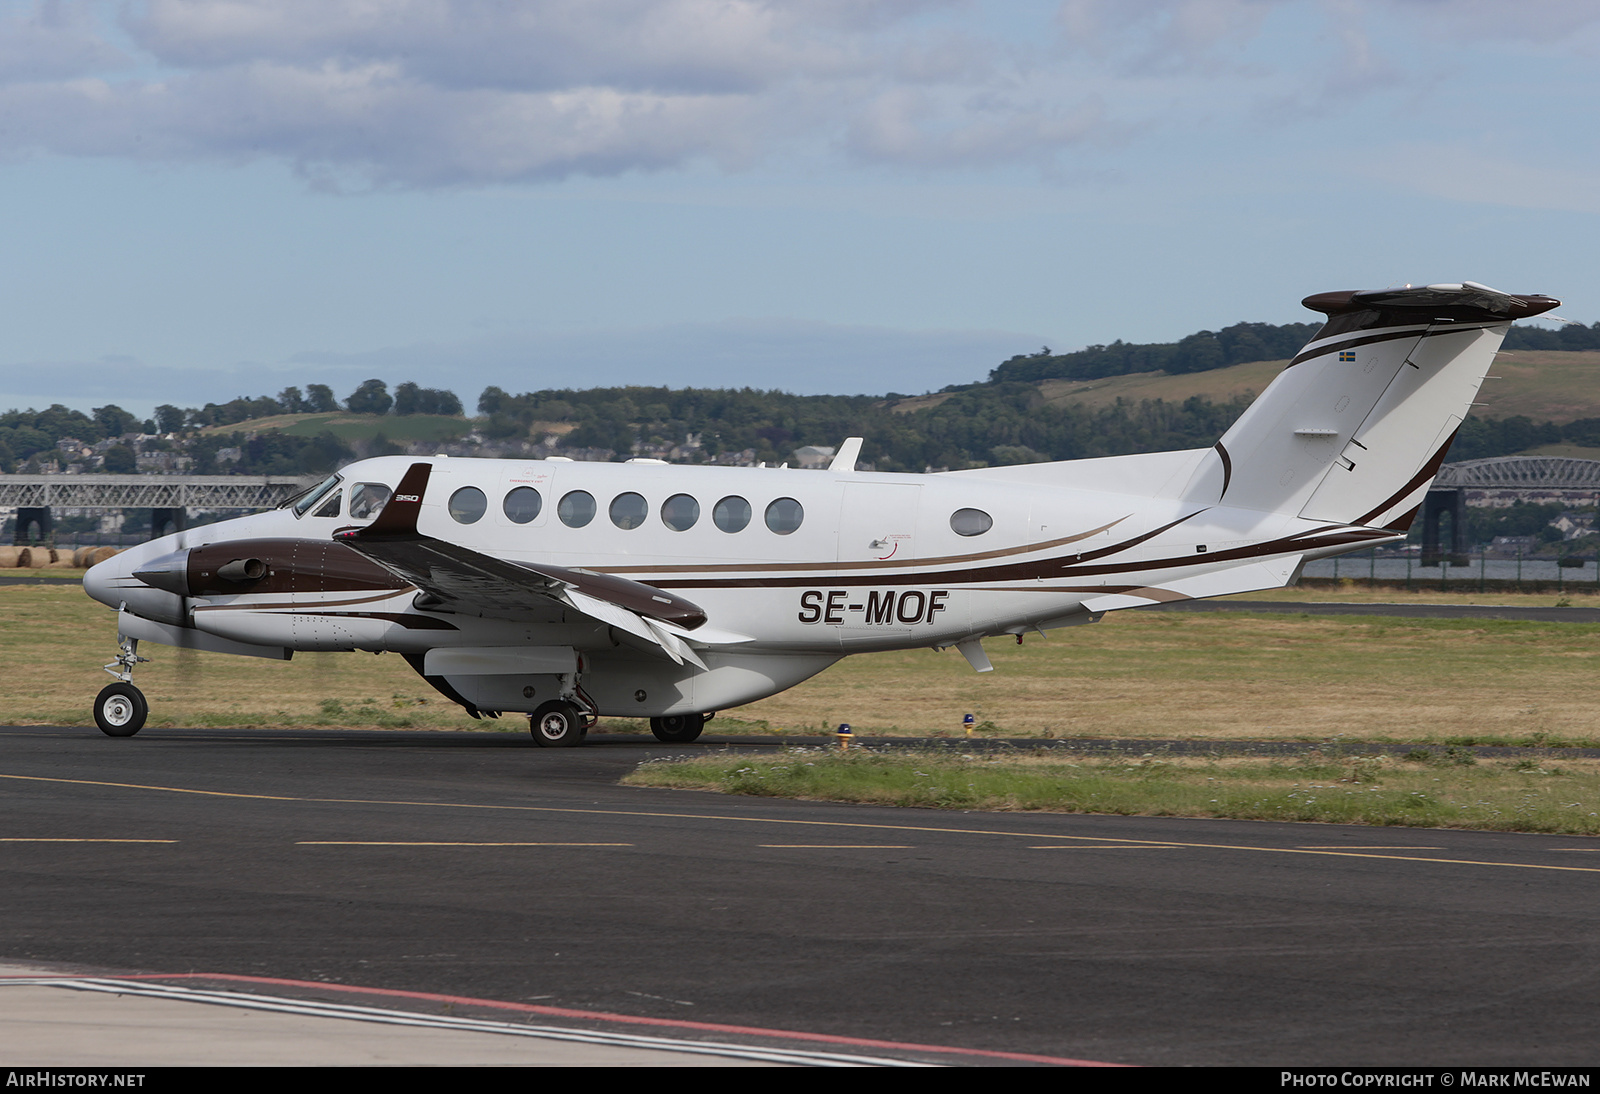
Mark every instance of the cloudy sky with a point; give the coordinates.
(206, 198)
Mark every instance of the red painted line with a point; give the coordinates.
(631, 1019)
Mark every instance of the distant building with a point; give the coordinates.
(814, 457)
(1571, 525)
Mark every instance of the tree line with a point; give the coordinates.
(372, 397)
(1004, 420)
(1239, 344)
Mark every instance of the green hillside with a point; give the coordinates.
(1543, 385)
(351, 428)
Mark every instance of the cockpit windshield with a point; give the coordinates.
(305, 501)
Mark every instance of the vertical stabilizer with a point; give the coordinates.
(1354, 429)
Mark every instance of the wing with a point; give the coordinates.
(469, 580)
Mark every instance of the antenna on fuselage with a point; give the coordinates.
(847, 455)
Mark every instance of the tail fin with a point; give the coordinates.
(1355, 428)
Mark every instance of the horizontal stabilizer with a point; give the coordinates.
(1247, 578)
(1356, 426)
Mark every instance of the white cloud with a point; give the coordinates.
(1162, 36)
(450, 92)
(1560, 22)
(436, 93)
(54, 40)
(914, 126)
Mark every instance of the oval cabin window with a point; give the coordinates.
(680, 512)
(522, 505)
(731, 514)
(576, 509)
(629, 510)
(468, 504)
(970, 522)
(785, 515)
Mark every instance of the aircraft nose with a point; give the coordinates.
(152, 587)
(103, 580)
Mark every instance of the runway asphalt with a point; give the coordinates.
(504, 882)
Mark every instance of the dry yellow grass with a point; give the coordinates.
(1228, 676)
(1136, 674)
(53, 640)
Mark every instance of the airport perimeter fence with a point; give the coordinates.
(1481, 572)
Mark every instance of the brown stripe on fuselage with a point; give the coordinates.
(1019, 571)
(775, 567)
(1048, 569)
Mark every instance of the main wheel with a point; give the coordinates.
(557, 724)
(678, 729)
(120, 710)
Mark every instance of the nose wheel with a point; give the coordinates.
(120, 710)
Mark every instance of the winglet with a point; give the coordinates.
(399, 516)
(848, 453)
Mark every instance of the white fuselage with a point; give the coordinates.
(847, 562)
(667, 591)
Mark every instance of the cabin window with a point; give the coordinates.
(731, 514)
(784, 516)
(629, 510)
(367, 499)
(522, 505)
(468, 504)
(680, 512)
(576, 509)
(970, 522)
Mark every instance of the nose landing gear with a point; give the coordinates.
(120, 708)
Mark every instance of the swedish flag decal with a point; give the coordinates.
(1347, 355)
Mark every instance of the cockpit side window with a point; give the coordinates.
(314, 495)
(330, 508)
(367, 500)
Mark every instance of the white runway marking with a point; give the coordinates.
(474, 1025)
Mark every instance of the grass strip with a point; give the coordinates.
(1158, 675)
(1453, 790)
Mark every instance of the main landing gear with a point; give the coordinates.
(120, 708)
(679, 729)
(559, 724)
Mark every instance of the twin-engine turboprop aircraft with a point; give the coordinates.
(572, 590)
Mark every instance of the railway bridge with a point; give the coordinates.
(1500, 480)
(168, 497)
